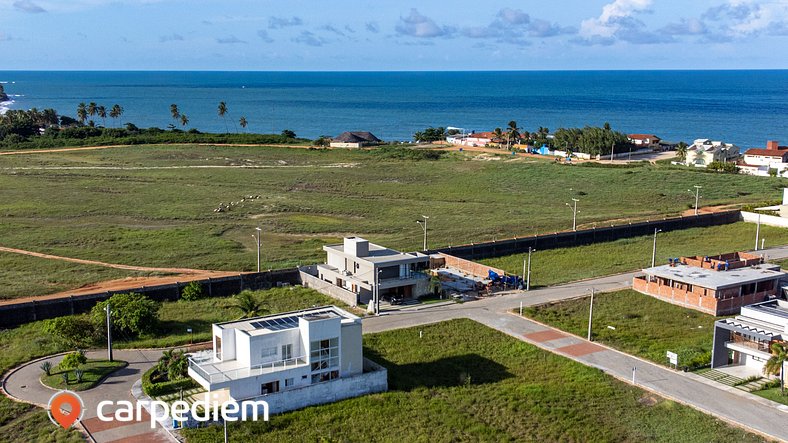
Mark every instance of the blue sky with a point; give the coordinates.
(392, 35)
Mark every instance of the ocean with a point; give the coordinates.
(742, 107)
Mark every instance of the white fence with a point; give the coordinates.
(769, 220)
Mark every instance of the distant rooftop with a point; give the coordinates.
(287, 320)
(711, 279)
(356, 137)
(766, 321)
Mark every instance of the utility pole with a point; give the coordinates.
(108, 308)
(654, 249)
(423, 224)
(612, 148)
(257, 238)
(574, 213)
(697, 197)
(757, 231)
(528, 274)
(590, 314)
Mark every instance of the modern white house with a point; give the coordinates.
(704, 151)
(356, 269)
(758, 161)
(290, 360)
(745, 340)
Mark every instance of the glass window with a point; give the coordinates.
(289, 382)
(287, 352)
(268, 352)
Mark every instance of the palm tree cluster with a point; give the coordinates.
(26, 123)
(591, 140)
(179, 117)
(93, 110)
(430, 135)
(173, 364)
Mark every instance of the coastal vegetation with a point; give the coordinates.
(637, 324)
(155, 206)
(467, 382)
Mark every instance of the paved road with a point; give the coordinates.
(24, 384)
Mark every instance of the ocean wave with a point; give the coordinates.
(5, 106)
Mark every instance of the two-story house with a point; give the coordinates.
(759, 161)
(704, 151)
(303, 354)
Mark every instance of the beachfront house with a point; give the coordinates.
(716, 285)
(641, 141)
(764, 162)
(356, 269)
(704, 151)
(290, 360)
(744, 342)
(355, 139)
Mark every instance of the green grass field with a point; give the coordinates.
(773, 394)
(467, 382)
(25, 423)
(554, 266)
(154, 205)
(644, 326)
(94, 372)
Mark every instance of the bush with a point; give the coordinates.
(132, 314)
(728, 168)
(155, 389)
(46, 367)
(397, 153)
(75, 331)
(191, 292)
(73, 360)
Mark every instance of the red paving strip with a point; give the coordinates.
(95, 425)
(150, 437)
(543, 336)
(580, 349)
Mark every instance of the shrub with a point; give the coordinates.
(75, 331)
(64, 376)
(191, 292)
(78, 373)
(46, 367)
(132, 313)
(155, 389)
(728, 168)
(73, 360)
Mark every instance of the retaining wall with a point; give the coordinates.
(308, 280)
(25, 312)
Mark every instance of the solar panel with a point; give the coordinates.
(282, 323)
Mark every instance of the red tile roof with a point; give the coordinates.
(781, 152)
(489, 135)
(643, 136)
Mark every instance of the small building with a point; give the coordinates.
(704, 151)
(290, 360)
(356, 269)
(718, 285)
(746, 339)
(355, 139)
(645, 141)
(757, 161)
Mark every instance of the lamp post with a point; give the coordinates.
(757, 231)
(528, 272)
(573, 207)
(590, 314)
(697, 197)
(108, 309)
(257, 238)
(423, 224)
(654, 249)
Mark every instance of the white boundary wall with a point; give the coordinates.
(769, 220)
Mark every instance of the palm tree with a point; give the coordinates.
(497, 136)
(248, 304)
(164, 361)
(174, 111)
(115, 112)
(92, 108)
(178, 367)
(776, 364)
(184, 120)
(512, 133)
(82, 113)
(681, 151)
(222, 111)
(102, 112)
(243, 122)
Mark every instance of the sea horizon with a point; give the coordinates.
(746, 107)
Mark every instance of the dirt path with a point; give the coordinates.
(92, 148)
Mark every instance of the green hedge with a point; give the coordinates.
(152, 389)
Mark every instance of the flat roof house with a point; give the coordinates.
(356, 268)
(311, 356)
(718, 285)
(355, 139)
(746, 339)
(758, 161)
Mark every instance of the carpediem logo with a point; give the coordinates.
(65, 408)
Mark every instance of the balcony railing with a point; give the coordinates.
(211, 374)
(414, 275)
(761, 347)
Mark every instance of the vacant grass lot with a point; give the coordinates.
(154, 205)
(466, 382)
(25, 423)
(554, 266)
(644, 326)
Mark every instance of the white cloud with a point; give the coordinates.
(612, 18)
(420, 26)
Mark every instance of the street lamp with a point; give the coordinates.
(697, 197)
(423, 224)
(257, 238)
(654, 249)
(574, 213)
(527, 272)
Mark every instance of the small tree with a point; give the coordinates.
(132, 314)
(73, 360)
(64, 377)
(78, 373)
(178, 367)
(288, 133)
(248, 304)
(776, 363)
(46, 367)
(681, 151)
(192, 291)
(74, 331)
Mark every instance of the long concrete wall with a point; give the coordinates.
(308, 280)
(770, 220)
(21, 313)
(471, 267)
(519, 245)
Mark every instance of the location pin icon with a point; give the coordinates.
(65, 408)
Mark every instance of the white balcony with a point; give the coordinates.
(749, 348)
(234, 370)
